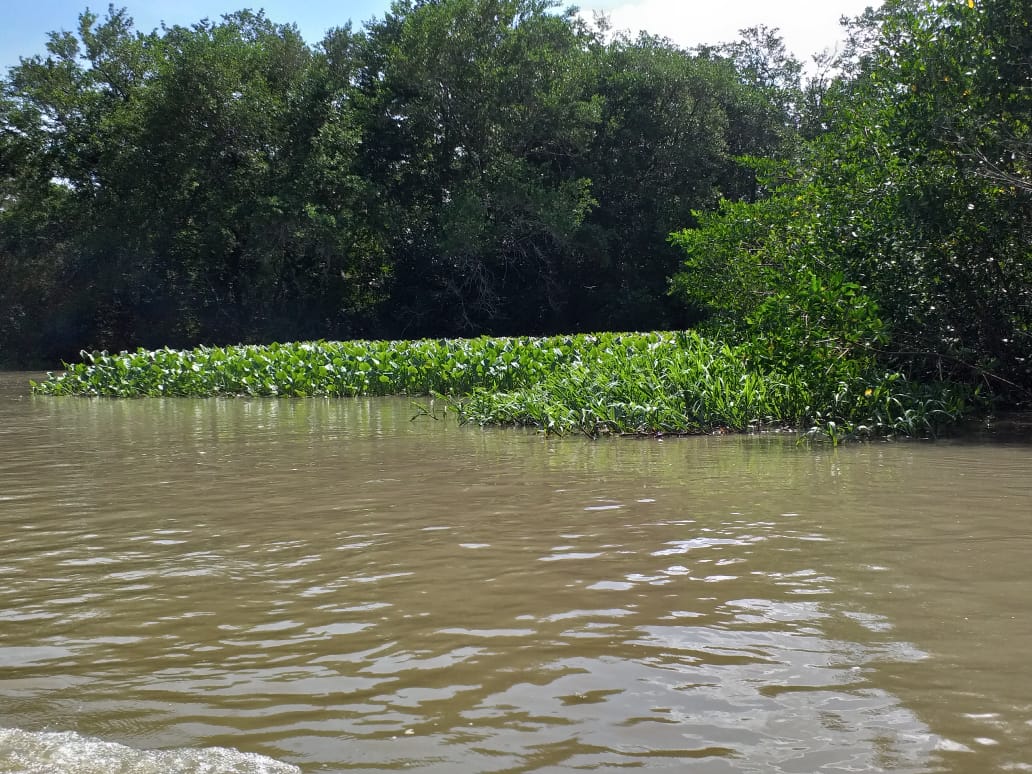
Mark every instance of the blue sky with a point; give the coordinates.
(23, 31)
(808, 26)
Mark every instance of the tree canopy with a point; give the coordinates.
(456, 166)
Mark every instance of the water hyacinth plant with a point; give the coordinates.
(603, 384)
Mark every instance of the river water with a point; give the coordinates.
(257, 586)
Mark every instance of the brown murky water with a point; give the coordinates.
(335, 587)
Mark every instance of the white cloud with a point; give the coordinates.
(807, 26)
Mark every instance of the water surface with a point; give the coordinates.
(328, 585)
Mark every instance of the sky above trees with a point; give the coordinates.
(808, 26)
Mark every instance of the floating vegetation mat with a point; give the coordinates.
(599, 384)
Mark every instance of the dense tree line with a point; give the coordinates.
(457, 166)
(499, 166)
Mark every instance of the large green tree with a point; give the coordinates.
(474, 113)
(250, 183)
(674, 127)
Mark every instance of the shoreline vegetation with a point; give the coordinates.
(604, 384)
(851, 249)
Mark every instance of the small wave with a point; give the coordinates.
(47, 752)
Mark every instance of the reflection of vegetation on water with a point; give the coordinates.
(596, 384)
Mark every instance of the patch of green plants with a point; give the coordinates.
(603, 384)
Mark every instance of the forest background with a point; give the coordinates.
(464, 167)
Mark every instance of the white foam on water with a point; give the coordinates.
(49, 752)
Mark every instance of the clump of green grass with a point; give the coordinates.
(604, 384)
